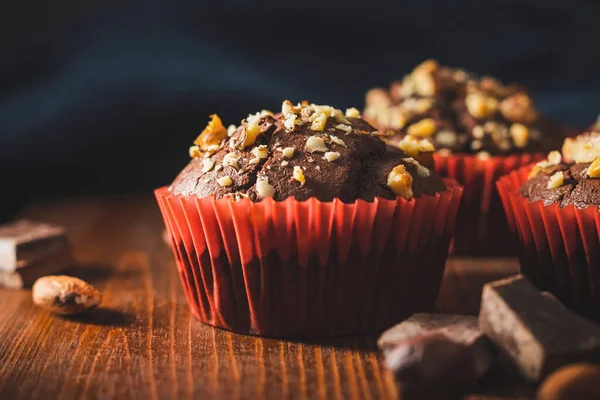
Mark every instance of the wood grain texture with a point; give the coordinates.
(144, 343)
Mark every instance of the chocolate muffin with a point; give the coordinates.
(483, 130)
(305, 151)
(457, 111)
(552, 209)
(553, 181)
(305, 224)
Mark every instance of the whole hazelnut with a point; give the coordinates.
(576, 381)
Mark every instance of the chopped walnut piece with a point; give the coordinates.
(556, 180)
(481, 105)
(352, 113)
(195, 151)
(290, 122)
(337, 140)
(231, 160)
(264, 189)
(412, 146)
(519, 134)
(377, 96)
(422, 78)
(319, 122)
(316, 144)
(424, 128)
(231, 130)
(345, 128)
(225, 181)
(332, 156)
(594, 169)
(207, 165)
(400, 182)
(446, 138)
(288, 152)
(251, 130)
(588, 152)
(298, 175)
(519, 108)
(260, 152)
(211, 137)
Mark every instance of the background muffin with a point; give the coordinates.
(304, 223)
(483, 129)
(552, 209)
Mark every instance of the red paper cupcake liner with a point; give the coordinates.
(481, 225)
(310, 268)
(559, 248)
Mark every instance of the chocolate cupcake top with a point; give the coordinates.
(457, 111)
(573, 179)
(305, 151)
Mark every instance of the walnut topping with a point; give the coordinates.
(422, 78)
(288, 152)
(231, 130)
(314, 144)
(195, 151)
(251, 130)
(400, 182)
(319, 122)
(519, 108)
(556, 180)
(378, 96)
(424, 128)
(284, 163)
(446, 138)
(519, 134)
(481, 105)
(352, 113)
(332, 156)
(594, 169)
(422, 171)
(298, 175)
(207, 165)
(554, 158)
(225, 181)
(478, 132)
(211, 137)
(483, 155)
(290, 122)
(587, 153)
(231, 160)
(412, 146)
(337, 140)
(264, 189)
(260, 152)
(218, 167)
(345, 128)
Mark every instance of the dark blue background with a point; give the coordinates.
(107, 96)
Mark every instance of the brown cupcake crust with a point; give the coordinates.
(304, 151)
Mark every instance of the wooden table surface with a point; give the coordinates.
(144, 343)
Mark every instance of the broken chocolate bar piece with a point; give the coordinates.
(433, 365)
(534, 330)
(25, 241)
(436, 352)
(28, 272)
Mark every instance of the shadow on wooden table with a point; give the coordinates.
(104, 317)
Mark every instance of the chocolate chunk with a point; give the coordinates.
(28, 272)
(535, 331)
(433, 365)
(22, 242)
(437, 351)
